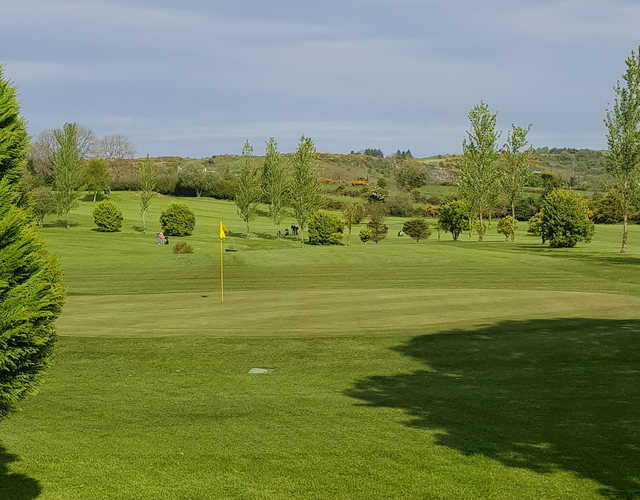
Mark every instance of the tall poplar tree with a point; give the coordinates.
(248, 186)
(31, 287)
(306, 197)
(514, 168)
(623, 137)
(478, 174)
(148, 180)
(67, 169)
(274, 182)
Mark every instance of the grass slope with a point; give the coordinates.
(404, 370)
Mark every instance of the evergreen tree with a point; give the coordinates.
(274, 182)
(248, 187)
(31, 289)
(478, 174)
(306, 197)
(67, 169)
(623, 138)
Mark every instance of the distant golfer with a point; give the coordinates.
(160, 238)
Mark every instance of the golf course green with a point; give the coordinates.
(457, 369)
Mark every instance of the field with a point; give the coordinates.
(399, 370)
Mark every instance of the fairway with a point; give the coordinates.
(398, 370)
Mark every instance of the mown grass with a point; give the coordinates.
(399, 370)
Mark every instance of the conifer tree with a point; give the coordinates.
(31, 287)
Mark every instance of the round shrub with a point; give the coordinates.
(182, 247)
(178, 220)
(325, 229)
(453, 218)
(418, 229)
(365, 234)
(107, 216)
(565, 219)
(506, 226)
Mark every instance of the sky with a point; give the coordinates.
(196, 78)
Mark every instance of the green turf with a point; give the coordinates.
(400, 370)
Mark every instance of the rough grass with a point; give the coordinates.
(439, 370)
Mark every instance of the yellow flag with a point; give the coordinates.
(223, 231)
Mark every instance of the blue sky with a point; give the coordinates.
(195, 78)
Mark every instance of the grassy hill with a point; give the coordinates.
(399, 370)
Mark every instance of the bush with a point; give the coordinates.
(107, 216)
(453, 217)
(178, 220)
(607, 208)
(527, 207)
(44, 203)
(182, 247)
(535, 224)
(506, 226)
(400, 206)
(565, 220)
(418, 229)
(365, 234)
(325, 229)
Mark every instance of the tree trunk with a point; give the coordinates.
(95, 194)
(481, 228)
(144, 224)
(490, 217)
(625, 230)
(470, 226)
(513, 220)
(247, 229)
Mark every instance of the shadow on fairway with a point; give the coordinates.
(546, 395)
(15, 486)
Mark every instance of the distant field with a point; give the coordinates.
(398, 370)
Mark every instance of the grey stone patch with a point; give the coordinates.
(258, 370)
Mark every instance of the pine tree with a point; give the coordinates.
(306, 197)
(31, 287)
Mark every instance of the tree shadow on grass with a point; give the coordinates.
(60, 223)
(15, 486)
(545, 395)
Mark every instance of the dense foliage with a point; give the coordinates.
(107, 216)
(365, 234)
(565, 219)
(31, 285)
(325, 229)
(178, 220)
(453, 217)
(507, 226)
(418, 229)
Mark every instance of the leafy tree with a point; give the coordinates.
(325, 229)
(535, 225)
(381, 183)
(353, 213)
(31, 285)
(507, 226)
(452, 217)
(374, 152)
(67, 171)
(478, 177)
(178, 220)
(565, 219)
(377, 210)
(43, 203)
(411, 177)
(107, 216)
(418, 229)
(623, 138)
(275, 182)
(550, 181)
(147, 181)
(527, 207)
(96, 176)
(514, 169)
(306, 195)
(195, 176)
(248, 187)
